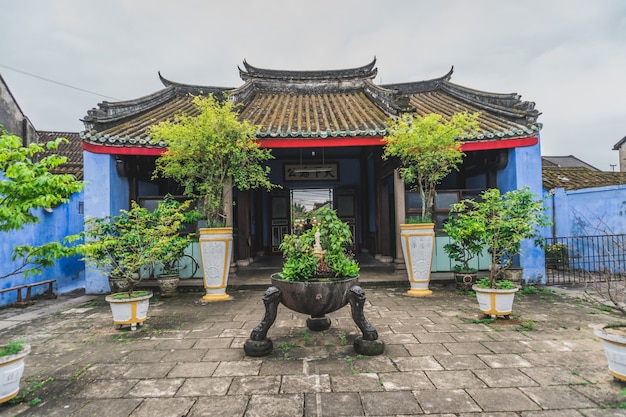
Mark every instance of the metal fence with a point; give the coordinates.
(572, 260)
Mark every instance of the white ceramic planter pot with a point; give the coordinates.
(614, 344)
(11, 371)
(216, 246)
(418, 241)
(494, 302)
(129, 311)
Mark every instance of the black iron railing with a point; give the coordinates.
(571, 260)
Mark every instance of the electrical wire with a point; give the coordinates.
(57, 82)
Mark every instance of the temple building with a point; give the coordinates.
(326, 130)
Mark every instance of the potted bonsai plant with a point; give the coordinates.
(124, 245)
(318, 277)
(464, 246)
(502, 222)
(428, 149)
(207, 155)
(170, 248)
(12, 355)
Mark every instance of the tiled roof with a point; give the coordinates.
(575, 178)
(72, 150)
(315, 104)
(569, 161)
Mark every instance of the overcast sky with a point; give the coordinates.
(567, 56)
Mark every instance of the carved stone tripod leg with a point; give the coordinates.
(259, 344)
(368, 344)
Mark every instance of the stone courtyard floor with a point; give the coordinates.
(441, 359)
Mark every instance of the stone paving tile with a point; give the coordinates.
(293, 384)
(553, 376)
(405, 381)
(107, 389)
(155, 370)
(245, 385)
(360, 382)
(427, 349)
(557, 397)
(164, 407)
(223, 355)
(156, 388)
(446, 400)
(454, 379)
(213, 343)
(221, 406)
(193, 387)
(238, 368)
(502, 399)
(332, 404)
(466, 348)
(390, 403)
(456, 362)
(177, 344)
(184, 355)
(507, 360)
(505, 377)
(436, 337)
(419, 363)
(192, 370)
(275, 405)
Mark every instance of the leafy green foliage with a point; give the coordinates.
(121, 245)
(466, 242)
(26, 184)
(211, 150)
(500, 223)
(11, 348)
(301, 262)
(428, 148)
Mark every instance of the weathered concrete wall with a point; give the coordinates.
(12, 117)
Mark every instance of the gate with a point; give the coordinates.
(576, 260)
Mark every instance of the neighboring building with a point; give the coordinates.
(56, 222)
(326, 130)
(569, 161)
(621, 147)
(584, 201)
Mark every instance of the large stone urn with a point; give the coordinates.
(418, 241)
(315, 298)
(216, 246)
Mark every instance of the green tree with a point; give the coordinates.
(26, 184)
(429, 148)
(501, 222)
(207, 151)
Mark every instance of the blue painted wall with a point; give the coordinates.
(587, 212)
(69, 272)
(524, 169)
(106, 193)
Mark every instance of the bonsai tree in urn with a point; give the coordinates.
(208, 154)
(429, 149)
(500, 223)
(319, 252)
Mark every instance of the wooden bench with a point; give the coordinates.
(26, 301)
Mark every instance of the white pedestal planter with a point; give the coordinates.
(494, 302)
(216, 246)
(129, 311)
(614, 344)
(418, 241)
(11, 371)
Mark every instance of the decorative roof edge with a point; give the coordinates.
(364, 72)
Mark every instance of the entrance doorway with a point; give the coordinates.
(306, 200)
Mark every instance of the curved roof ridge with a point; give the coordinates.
(108, 111)
(505, 104)
(193, 88)
(420, 86)
(367, 71)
